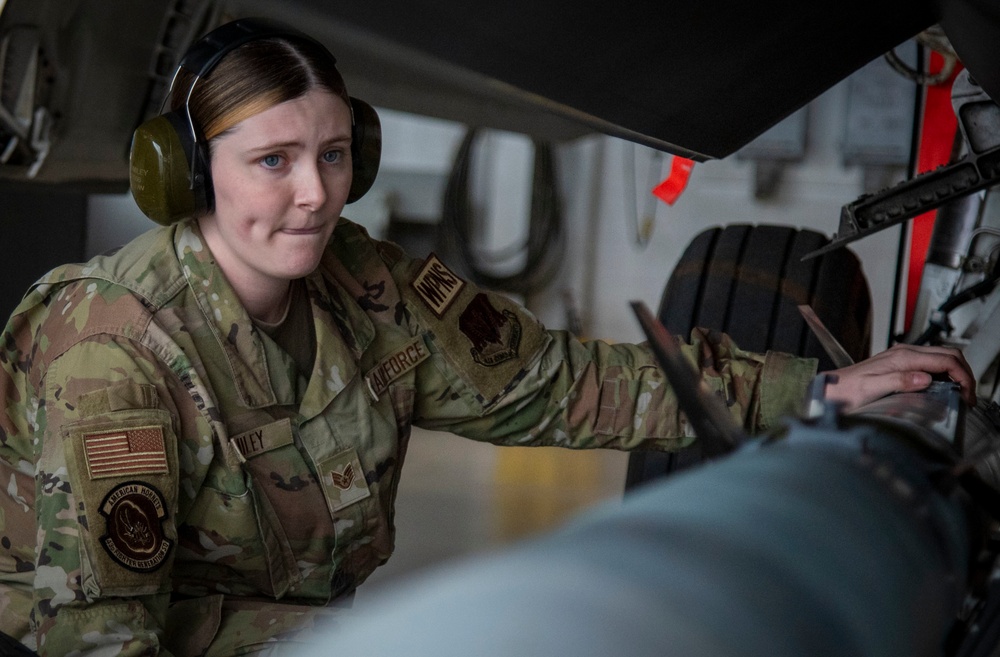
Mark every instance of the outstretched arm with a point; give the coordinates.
(901, 368)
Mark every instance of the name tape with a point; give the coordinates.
(395, 365)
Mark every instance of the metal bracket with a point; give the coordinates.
(979, 121)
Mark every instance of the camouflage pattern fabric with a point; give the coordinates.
(166, 465)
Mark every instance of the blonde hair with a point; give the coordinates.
(255, 77)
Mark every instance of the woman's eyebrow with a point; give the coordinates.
(294, 143)
(272, 145)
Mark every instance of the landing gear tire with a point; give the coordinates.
(748, 281)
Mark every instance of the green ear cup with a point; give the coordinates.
(159, 174)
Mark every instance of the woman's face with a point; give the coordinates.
(281, 179)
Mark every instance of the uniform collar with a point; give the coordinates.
(229, 322)
(343, 331)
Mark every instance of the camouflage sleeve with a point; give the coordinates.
(107, 478)
(495, 374)
(595, 394)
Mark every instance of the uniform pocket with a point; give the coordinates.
(228, 544)
(635, 409)
(616, 408)
(192, 625)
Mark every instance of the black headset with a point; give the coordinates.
(169, 172)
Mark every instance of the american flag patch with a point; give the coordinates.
(125, 452)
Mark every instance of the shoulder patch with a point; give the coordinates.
(487, 340)
(125, 452)
(134, 513)
(123, 468)
(437, 286)
(495, 335)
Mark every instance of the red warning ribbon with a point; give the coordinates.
(670, 189)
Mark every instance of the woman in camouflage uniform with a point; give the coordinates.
(203, 431)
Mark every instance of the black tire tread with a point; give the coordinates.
(748, 281)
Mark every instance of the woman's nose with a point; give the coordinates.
(310, 190)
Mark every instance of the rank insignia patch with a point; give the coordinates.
(437, 286)
(495, 335)
(343, 480)
(134, 451)
(134, 515)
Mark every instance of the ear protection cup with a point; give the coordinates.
(169, 173)
(366, 148)
(167, 170)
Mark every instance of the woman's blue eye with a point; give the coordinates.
(331, 156)
(271, 160)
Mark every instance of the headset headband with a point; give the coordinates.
(205, 53)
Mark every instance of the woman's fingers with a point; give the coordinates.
(902, 368)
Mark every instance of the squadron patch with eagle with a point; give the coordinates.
(134, 513)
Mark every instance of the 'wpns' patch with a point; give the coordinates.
(437, 286)
(134, 513)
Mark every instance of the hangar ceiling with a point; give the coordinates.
(699, 79)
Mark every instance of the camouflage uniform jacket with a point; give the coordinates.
(164, 463)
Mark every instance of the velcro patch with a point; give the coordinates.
(134, 513)
(125, 452)
(123, 467)
(495, 335)
(263, 439)
(395, 365)
(437, 286)
(487, 339)
(343, 480)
